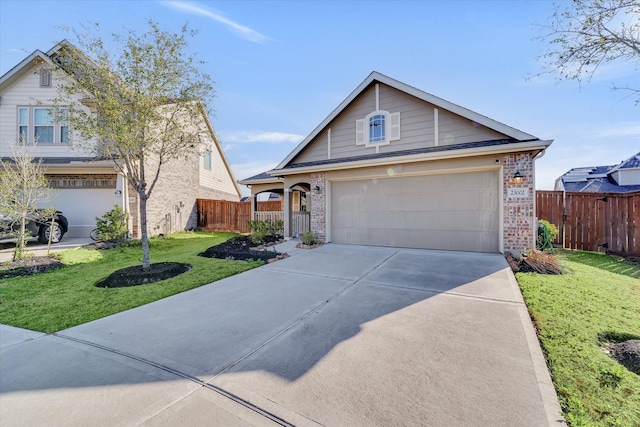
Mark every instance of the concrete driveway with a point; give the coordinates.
(338, 335)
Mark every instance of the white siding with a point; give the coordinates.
(27, 92)
(218, 178)
(627, 176)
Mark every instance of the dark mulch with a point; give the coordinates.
(25, 267)
(627, 354)
(240, 248)
(134, 276)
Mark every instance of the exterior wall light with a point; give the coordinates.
(316, 188)
(517, 177)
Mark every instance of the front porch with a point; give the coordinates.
(295, 209)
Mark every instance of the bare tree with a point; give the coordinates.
(23, 186)
(587, 34)
(137, 104)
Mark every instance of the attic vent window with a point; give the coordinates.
(45, 78)
(378, 128)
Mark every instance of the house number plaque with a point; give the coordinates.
(517, 193)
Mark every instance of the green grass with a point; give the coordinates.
(66, 297)
(596, 301)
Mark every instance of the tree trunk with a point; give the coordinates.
(146, 263)
(21, 244)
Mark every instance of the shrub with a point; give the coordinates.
(261, 229)
(308, 238)
(112, 226)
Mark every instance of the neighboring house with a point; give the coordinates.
(621, 178)
(85, 187)
(395, 166)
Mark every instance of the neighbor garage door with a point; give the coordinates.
(455, 211)
(82, 206)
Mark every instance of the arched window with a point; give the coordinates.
(377, 128)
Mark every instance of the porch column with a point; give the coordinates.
(253, 201)
(287, 213)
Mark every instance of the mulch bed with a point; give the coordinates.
(25, 267)
(242, 248)
(136, 275)
(238, 248)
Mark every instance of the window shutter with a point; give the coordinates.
(394, 126)
(360, 132)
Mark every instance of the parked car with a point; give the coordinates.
(40, 228)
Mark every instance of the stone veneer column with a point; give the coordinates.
(319, 206)
(518, 212)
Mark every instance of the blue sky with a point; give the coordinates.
(280, 67)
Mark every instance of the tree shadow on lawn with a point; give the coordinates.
(612, 264)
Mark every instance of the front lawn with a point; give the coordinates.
(596, 302)
(66, 297)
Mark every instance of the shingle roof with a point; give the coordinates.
(600, 185)
(403, 153)
(260, 176)
(632, 162)
(597, 179)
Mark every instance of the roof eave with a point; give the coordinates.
(8, 77)
(538, 145)
(274, 180)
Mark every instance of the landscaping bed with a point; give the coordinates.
(242, 248)
(25, 267)
(60, 298)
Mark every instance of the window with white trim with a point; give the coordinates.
(378, 128)
(43, 125)
(207, 160)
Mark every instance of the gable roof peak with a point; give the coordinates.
(376, 76)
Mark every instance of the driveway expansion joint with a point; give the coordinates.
(219, 390)
(455, 294)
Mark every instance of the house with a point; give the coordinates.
(621, 178)
(85, 187)
(395, 166)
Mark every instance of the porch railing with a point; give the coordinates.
(272, 215)
(300, 222)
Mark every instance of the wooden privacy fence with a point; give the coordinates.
(590, 221)
(224, 215)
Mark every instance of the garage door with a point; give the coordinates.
(82, 206)
(448, 211)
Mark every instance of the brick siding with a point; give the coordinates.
(319, 206)
(519, 220)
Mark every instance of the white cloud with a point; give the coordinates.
(241, 30)
(244, 136)
(632, 129)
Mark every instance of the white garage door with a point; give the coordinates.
(449, 212)
(82, 206)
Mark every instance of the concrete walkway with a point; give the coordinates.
(337, 335)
